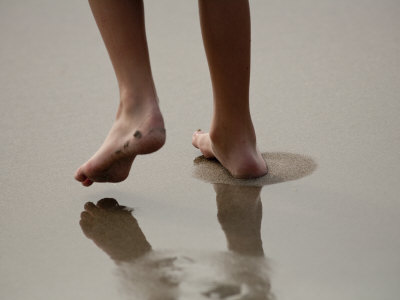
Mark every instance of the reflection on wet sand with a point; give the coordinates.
(240, 213)
(241, 273)
(113, 228)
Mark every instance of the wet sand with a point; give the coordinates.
(281, 167)
(324, 90)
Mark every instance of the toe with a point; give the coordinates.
(202, 141)
(80, 176)
(195, 138)
(87, 182)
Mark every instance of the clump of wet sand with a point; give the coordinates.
(282, 167)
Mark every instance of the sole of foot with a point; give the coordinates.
(131, 135)
(242, 160)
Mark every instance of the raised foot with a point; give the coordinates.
(130, 135)
(240, 157)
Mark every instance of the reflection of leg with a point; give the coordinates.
(139, 126)
(114, 230)
(225, 26)
(240, 213)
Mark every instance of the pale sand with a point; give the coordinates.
(282, 167)
(325, 83)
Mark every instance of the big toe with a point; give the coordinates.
(196, 137)
(87, 182)
(202, 141)
(79, 175)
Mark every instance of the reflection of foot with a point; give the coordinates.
(240, 213)
(223, 291)
(239, 155)
(139, 130)
(114, 230)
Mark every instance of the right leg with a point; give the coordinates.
(139, 126)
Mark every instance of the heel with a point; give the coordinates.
(150, 142)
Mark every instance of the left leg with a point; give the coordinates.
(225, 26)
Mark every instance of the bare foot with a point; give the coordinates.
(114, 230)
(138, 130)
(237, 153)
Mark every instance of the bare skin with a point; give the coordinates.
(133, 133)
(225, 28)
(139, 125)
(240, 157)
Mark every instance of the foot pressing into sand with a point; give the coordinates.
(138, 129)
(237, 153)
(225, 27)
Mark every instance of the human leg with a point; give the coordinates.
(139, 126)
(225, 28)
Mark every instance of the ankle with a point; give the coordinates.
(137, 104)
(233, 133)
(233, 142)
(131, 93)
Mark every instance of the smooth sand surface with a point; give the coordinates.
(325, 85)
